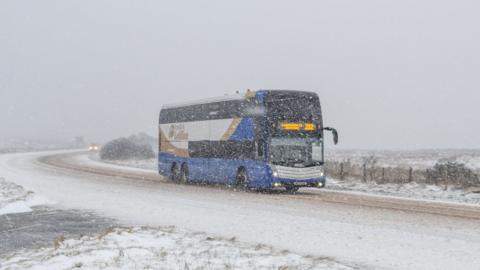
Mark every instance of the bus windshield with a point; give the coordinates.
(296, 145)
(296, 151)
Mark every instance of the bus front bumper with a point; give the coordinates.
(297, 177)
(278, 183)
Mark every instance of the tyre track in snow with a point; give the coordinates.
(67, 162)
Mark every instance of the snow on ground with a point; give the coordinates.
(410, 190)
(15, 199)
(148, 164)
(161, 248)
(417, 159)
(365, 237)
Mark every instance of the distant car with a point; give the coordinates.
(93, 147)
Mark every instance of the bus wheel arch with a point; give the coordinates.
(184, 173)
(291, 189)
(242, 179)
(174, 172)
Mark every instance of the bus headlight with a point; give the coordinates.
(274, 172)
(321, 172)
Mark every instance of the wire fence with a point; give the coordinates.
(442, 174)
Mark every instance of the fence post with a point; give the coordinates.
(342, 172)
(410, 175)
(445, 177)
(364, 172)
(383, 175)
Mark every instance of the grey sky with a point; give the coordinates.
(390, 74)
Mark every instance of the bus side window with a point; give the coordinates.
(213, 111)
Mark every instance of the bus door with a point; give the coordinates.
(198, 148)
(215, 161)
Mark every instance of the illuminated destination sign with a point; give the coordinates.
(298, 126)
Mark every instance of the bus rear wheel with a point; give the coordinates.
(242, 179)
(175, 173)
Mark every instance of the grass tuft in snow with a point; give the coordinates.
(161, 248)
(408, 190)
(15, 199)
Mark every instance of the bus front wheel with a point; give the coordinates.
(291, 189)
(175, 172)
(242, 179)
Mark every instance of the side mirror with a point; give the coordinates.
(334, 133)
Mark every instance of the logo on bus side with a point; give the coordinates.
(177, 132)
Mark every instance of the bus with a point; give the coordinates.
(263, 140)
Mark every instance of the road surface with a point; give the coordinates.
(365, 236)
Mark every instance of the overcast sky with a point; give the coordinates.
(390, 74)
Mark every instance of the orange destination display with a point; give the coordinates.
(298, 126)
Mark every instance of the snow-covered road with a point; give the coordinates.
(361, 236)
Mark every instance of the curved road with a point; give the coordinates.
(79, 162)
(364, 231)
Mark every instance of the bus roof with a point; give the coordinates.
(229, 97)
(235, 96)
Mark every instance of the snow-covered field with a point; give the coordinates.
(145, 248)
(359, 237)
(409, 190)
(417, 159)
(148, 164)
(16, 146)
(161, 248)
(141, 247)
(15, 199)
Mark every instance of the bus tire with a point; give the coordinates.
(242, 179)
(291, 189)
(175, 173)
(184, 174)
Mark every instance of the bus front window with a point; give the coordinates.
(295, 151)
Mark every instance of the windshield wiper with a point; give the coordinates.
(293, 162)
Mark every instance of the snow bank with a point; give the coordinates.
(147, 164)
(417, 159)
(411, 190)
(15, 199)
(161, 248)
